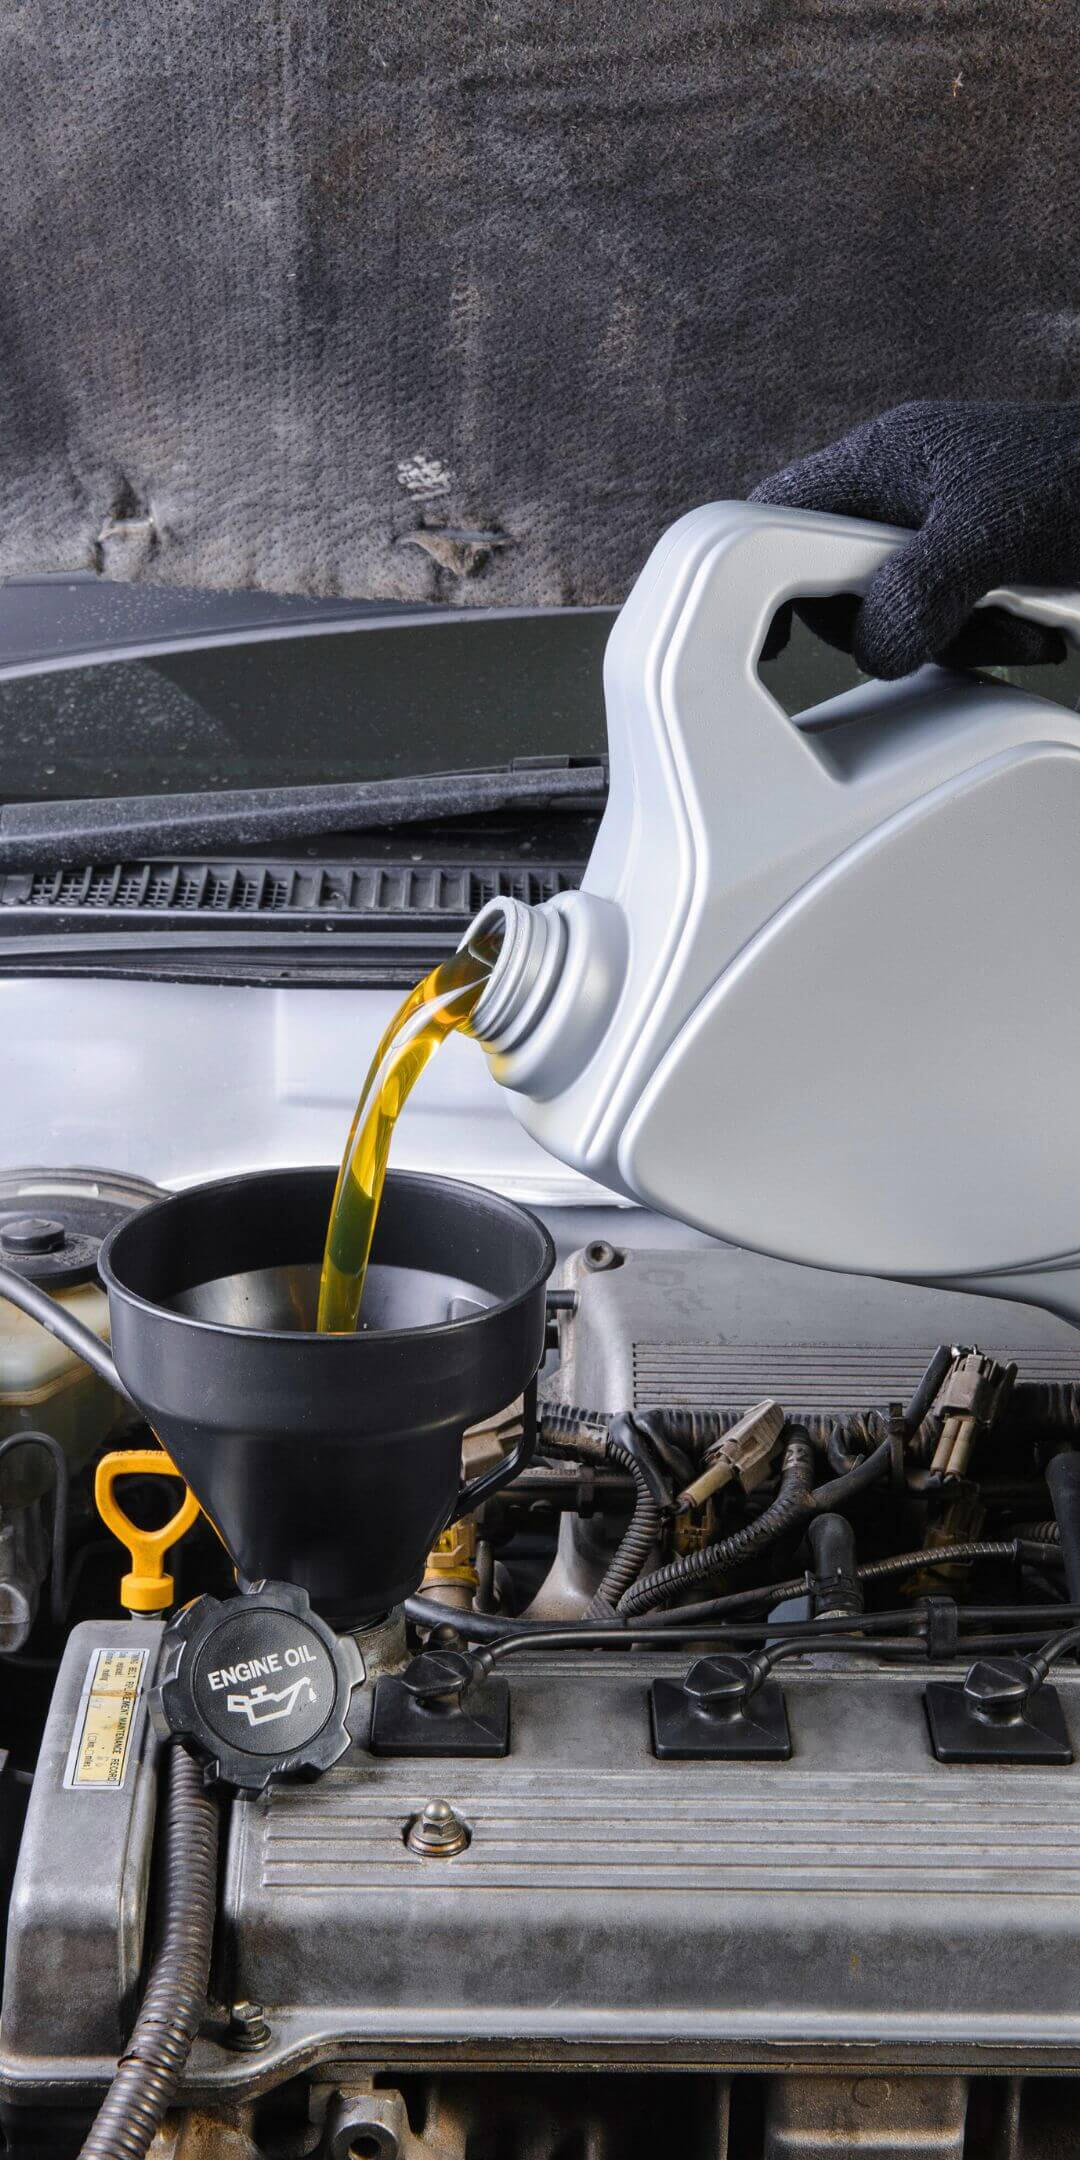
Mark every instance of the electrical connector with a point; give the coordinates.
(968, 1400)
(743, 1456)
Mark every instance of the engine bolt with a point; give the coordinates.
(247, 2027)
(438, 1833)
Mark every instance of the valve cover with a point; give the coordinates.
(861, 1894)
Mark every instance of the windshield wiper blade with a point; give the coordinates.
(56, 835)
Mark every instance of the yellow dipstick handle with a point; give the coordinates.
(147, 1588)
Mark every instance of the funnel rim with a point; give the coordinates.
(427, 1180)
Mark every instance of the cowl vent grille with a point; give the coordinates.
(254, 889)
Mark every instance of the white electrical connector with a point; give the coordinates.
(969, 1398)
(744, 1454)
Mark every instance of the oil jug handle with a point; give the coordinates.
(684, 692)
(492, 1481)
(776, 553)
(1042, 604)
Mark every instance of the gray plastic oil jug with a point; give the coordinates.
(819, 993)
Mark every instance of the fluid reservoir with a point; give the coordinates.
(51, 1226)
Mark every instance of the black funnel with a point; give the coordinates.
(332, 1461)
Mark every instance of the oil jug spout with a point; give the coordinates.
(553, 987)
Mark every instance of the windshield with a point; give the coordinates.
(254, 690)
(394, 693)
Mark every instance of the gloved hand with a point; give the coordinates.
(992, 495)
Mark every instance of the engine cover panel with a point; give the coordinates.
(861, 1893)
(723, 1326)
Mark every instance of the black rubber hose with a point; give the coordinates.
(61, 1479)
(1052, 1651)
(634, 1546)
(928, 1387)
(1063, 1478)
(811, 1636)
(965, 1550)
(623, 1573)
(1057, 1402)
(828, 1498)
(640, 1535)
(836, 1582)
(678, 1438)
(49, 1313)
(488, 1627)
(837, 1455)
(790, 1507)
(149, 2071)
(476, 1626)
(910, 1563)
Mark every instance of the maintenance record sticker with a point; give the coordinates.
(100, 1751)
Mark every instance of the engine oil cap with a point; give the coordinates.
(257, 1687)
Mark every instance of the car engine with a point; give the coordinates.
(778, 1861)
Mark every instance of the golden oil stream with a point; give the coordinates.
(441, 1005)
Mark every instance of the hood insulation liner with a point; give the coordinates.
(436, 302)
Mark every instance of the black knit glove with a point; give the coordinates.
(992, 495)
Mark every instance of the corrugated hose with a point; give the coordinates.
(792, 1505)
(174, 2003)
(638, 1539)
